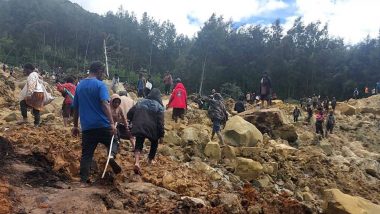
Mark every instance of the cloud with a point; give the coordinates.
(188, 16)
(351, 19)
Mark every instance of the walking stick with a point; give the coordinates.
(109, 154)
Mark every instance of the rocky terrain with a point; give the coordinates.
(269, 164)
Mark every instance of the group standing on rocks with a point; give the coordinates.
(105, 118)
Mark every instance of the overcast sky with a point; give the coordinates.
(351, 19)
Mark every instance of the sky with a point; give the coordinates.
(352, 20)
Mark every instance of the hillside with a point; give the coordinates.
(289, 169)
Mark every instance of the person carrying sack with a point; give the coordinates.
(32, 95)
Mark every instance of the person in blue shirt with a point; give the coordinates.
(91, 105)
(378, 87)
(141, 86)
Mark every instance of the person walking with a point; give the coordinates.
(218, 114)
(147, 118)
(296, 114)
(68, 92)
(141, 85)
(330, 123)
(319, 122)
(32, 95)
(91, 105)
(333, 103)
(115, 83)
(309, 113)
(168, 82)
(148, 85)
(356, 93)
(265, 90)
(178, 101)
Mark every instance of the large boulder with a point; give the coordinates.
(286, 132)
(195, 134)
(248, 169)
(172, 138)
(273, 122)
(213, 151)
(239, 132)
(365, 110)
(346, 108)
(336, 202)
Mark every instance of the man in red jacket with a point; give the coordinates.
(65, 89)
(178, 101)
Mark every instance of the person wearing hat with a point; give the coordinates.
(178, 101)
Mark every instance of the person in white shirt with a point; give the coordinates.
(32, 95)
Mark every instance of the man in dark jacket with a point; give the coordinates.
(333, 103)
(265, 90)
(147, 118)
(239, 105)
(218, 115)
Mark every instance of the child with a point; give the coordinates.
(118, 117)
(68, 91)
(319, 121)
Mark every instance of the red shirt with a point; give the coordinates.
(178, 99)
(70, 87)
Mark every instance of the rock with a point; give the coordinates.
(254, 209)
(213, 151)
(148, 188)
(263, 182)
(172, 138)
(11, 117)
(197, 202)
(167, 180)
(248, 169)
(228, 152)
(239, 132)
(326, 147)
(366, 110)
(336, 202)
(48, 117)
(286, 132)
(284, 149)
(266, 120)
(307, 196)
(249, 152)
(346, 108)
(197, 134)
(371, 167)
(346, 127)
(230, 203)
(166, 150)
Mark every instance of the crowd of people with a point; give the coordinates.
(105, 118)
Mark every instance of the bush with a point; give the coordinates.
(231, 90)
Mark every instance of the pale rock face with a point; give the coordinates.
(248, 169)
(239, 132)
(336, 202)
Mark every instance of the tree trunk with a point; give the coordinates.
(203, 74)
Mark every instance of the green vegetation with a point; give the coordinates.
(302, 61)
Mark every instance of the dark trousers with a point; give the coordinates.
(319, 127)
(295, 118)
(90, 140)
(178, 113)
(24, 112)
(140, 145)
